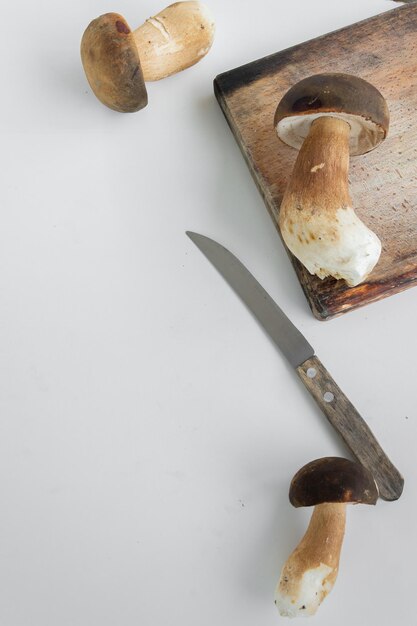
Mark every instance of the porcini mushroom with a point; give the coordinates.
(118, 61)
(329, 117)
(310, 572)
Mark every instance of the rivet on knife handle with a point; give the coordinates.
(352, 427)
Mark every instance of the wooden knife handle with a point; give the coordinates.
(352, 427)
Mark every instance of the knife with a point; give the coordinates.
(335, 405)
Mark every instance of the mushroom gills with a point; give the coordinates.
(364, 135)
(344, 248)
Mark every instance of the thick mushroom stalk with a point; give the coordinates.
(174, 39)
(317, 220)
(311, 570)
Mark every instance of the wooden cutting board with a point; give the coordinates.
(383, 183)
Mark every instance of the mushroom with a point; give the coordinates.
(118, 61)
(327, 117)
(310, 572)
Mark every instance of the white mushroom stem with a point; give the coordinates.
(317, 221)
(311, 570)
(174, 39)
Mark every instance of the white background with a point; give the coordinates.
(149, 428)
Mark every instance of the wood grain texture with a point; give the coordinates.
(352, 427)
(383, 183)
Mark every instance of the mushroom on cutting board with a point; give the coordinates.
(118, 61)
(310, 572)
(328, 117)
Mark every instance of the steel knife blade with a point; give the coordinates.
(335, 405)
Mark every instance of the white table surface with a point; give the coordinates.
(149, 429)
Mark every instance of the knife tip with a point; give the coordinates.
(193, 236)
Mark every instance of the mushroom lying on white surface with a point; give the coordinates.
(327, 117)
(311, 570)
(118, 61)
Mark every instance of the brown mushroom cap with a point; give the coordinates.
(111, 62)
(340, 95)
(332, 479)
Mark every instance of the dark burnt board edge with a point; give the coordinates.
(231, 80)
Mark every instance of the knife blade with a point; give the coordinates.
(340, 412)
